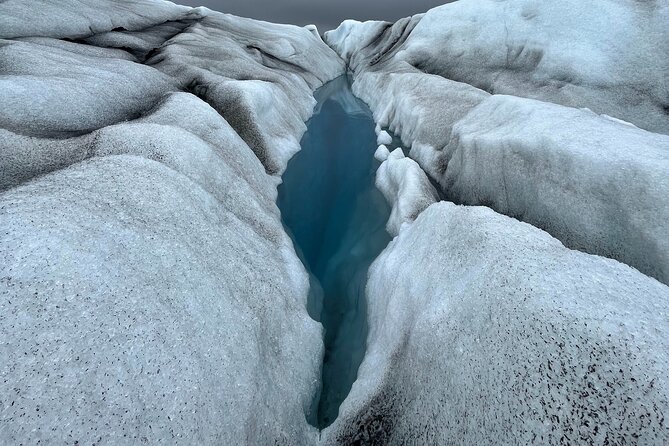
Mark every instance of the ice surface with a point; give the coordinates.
(83, 18)
(142, 43)
(425, 75)
(597, 185)
(265, 93)
(382, 153)
(612, 59)
(259, 76)
(484, 329)
(57, 92)
(148, 291)
(112, 287)
(489, 331)
(384, 138)
(336, 217)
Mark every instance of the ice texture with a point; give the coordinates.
(68, 89)
(405, 186)
(486, 330)
(148, 290)
(612, 58)
(597, 183)
(259, 76)
(83, 18)
(384, 138)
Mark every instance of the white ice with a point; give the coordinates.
(405, 186)
(489, 331)
(148, 291)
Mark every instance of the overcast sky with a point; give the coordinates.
(326, 14)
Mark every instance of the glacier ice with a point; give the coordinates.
(83, 18)
(595, 184)
(486, 330)
(384, 138)
(56, 92)
(148, 291)
(265, 93)
(405, 186)
(565, 52)
(115, 321)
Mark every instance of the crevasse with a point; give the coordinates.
(336, 218)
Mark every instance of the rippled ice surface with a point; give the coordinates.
(337, 219)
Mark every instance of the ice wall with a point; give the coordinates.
(484, 329)
(148, 291)
(597, 183)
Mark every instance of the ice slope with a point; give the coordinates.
(57, 89)
(486, 330)
(596, 184)
(83, 18)
(424, 77)
(148, 291)
(258, 76)
(405, 187)
(483, 329)
(612, 58)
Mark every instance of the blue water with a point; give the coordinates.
(336, 218)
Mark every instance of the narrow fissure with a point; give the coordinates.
(336, 217)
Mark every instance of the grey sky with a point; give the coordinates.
(326, 14)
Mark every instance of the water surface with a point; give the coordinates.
(336, 218)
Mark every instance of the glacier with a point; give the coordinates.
(149, 291)
(485, 330)
(426, 76)
(452, 229)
